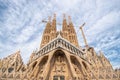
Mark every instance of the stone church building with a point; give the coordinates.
(59, 58)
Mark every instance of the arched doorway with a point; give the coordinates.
(59, 77)
(59, 69)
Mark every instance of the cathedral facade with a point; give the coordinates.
(59, 58)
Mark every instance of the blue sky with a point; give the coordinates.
(21, 27)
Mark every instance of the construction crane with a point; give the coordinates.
(81, 28)
(45, 21)
(49, 20)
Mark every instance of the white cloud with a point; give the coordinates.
(105, 23)
(30, 47)
(102, 26)
(25, 34)
(66, 3)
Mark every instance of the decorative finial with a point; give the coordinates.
(101, 53)
(69, 19)
(49, 18)
(64, 16)
(18, 52)
(59, 34)
(54, 16)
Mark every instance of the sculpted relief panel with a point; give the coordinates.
(60, 69)
(42, 68)
(77, 69)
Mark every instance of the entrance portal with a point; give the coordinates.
(58, 78)
(59, 67)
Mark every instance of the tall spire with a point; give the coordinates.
(64, 16)
(53, 27)
(72, 33)
(64, 27)
(54, 21)
(49, 19)
(46, 34)
(54, 16)
(69, 19)
(49, 32)
(68, 31)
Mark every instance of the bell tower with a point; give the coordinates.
(64, 28)
(72, 34)
(46, 33)
(68, 31)
(53, 28)
(49, 32)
